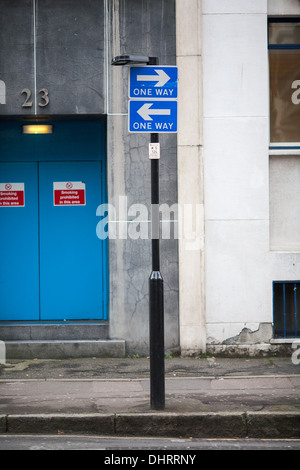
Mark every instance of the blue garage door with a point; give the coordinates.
(53, 266)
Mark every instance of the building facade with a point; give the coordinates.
(251, 173)
(76, 279)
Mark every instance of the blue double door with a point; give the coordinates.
(52, 263)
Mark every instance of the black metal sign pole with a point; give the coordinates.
(156, 287)
(156, 293)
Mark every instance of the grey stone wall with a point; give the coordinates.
(140, 27)
(57, 45)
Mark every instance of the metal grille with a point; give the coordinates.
(286, 306)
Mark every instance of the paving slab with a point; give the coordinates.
(231, 398)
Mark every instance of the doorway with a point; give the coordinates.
(53, 266)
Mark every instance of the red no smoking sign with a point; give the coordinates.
(12, 194)
(69, 193)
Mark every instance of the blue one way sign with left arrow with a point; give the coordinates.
(153, 116)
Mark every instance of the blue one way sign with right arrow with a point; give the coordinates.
(153, 82)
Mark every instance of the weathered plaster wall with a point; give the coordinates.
(145, 28)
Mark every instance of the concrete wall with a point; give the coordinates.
(190, 177)
(66, 47)
(145, 28)
(54, 45)
(219, 290)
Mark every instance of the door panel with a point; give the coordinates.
(19, 266)
(71, 284)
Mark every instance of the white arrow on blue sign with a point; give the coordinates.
(153, 82)
(153, 116)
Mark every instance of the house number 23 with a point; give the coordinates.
(44, 98)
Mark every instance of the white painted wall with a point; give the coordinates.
(190, 177)
(223, 163)
(236, 166)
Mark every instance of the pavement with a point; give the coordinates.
(204, 397)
